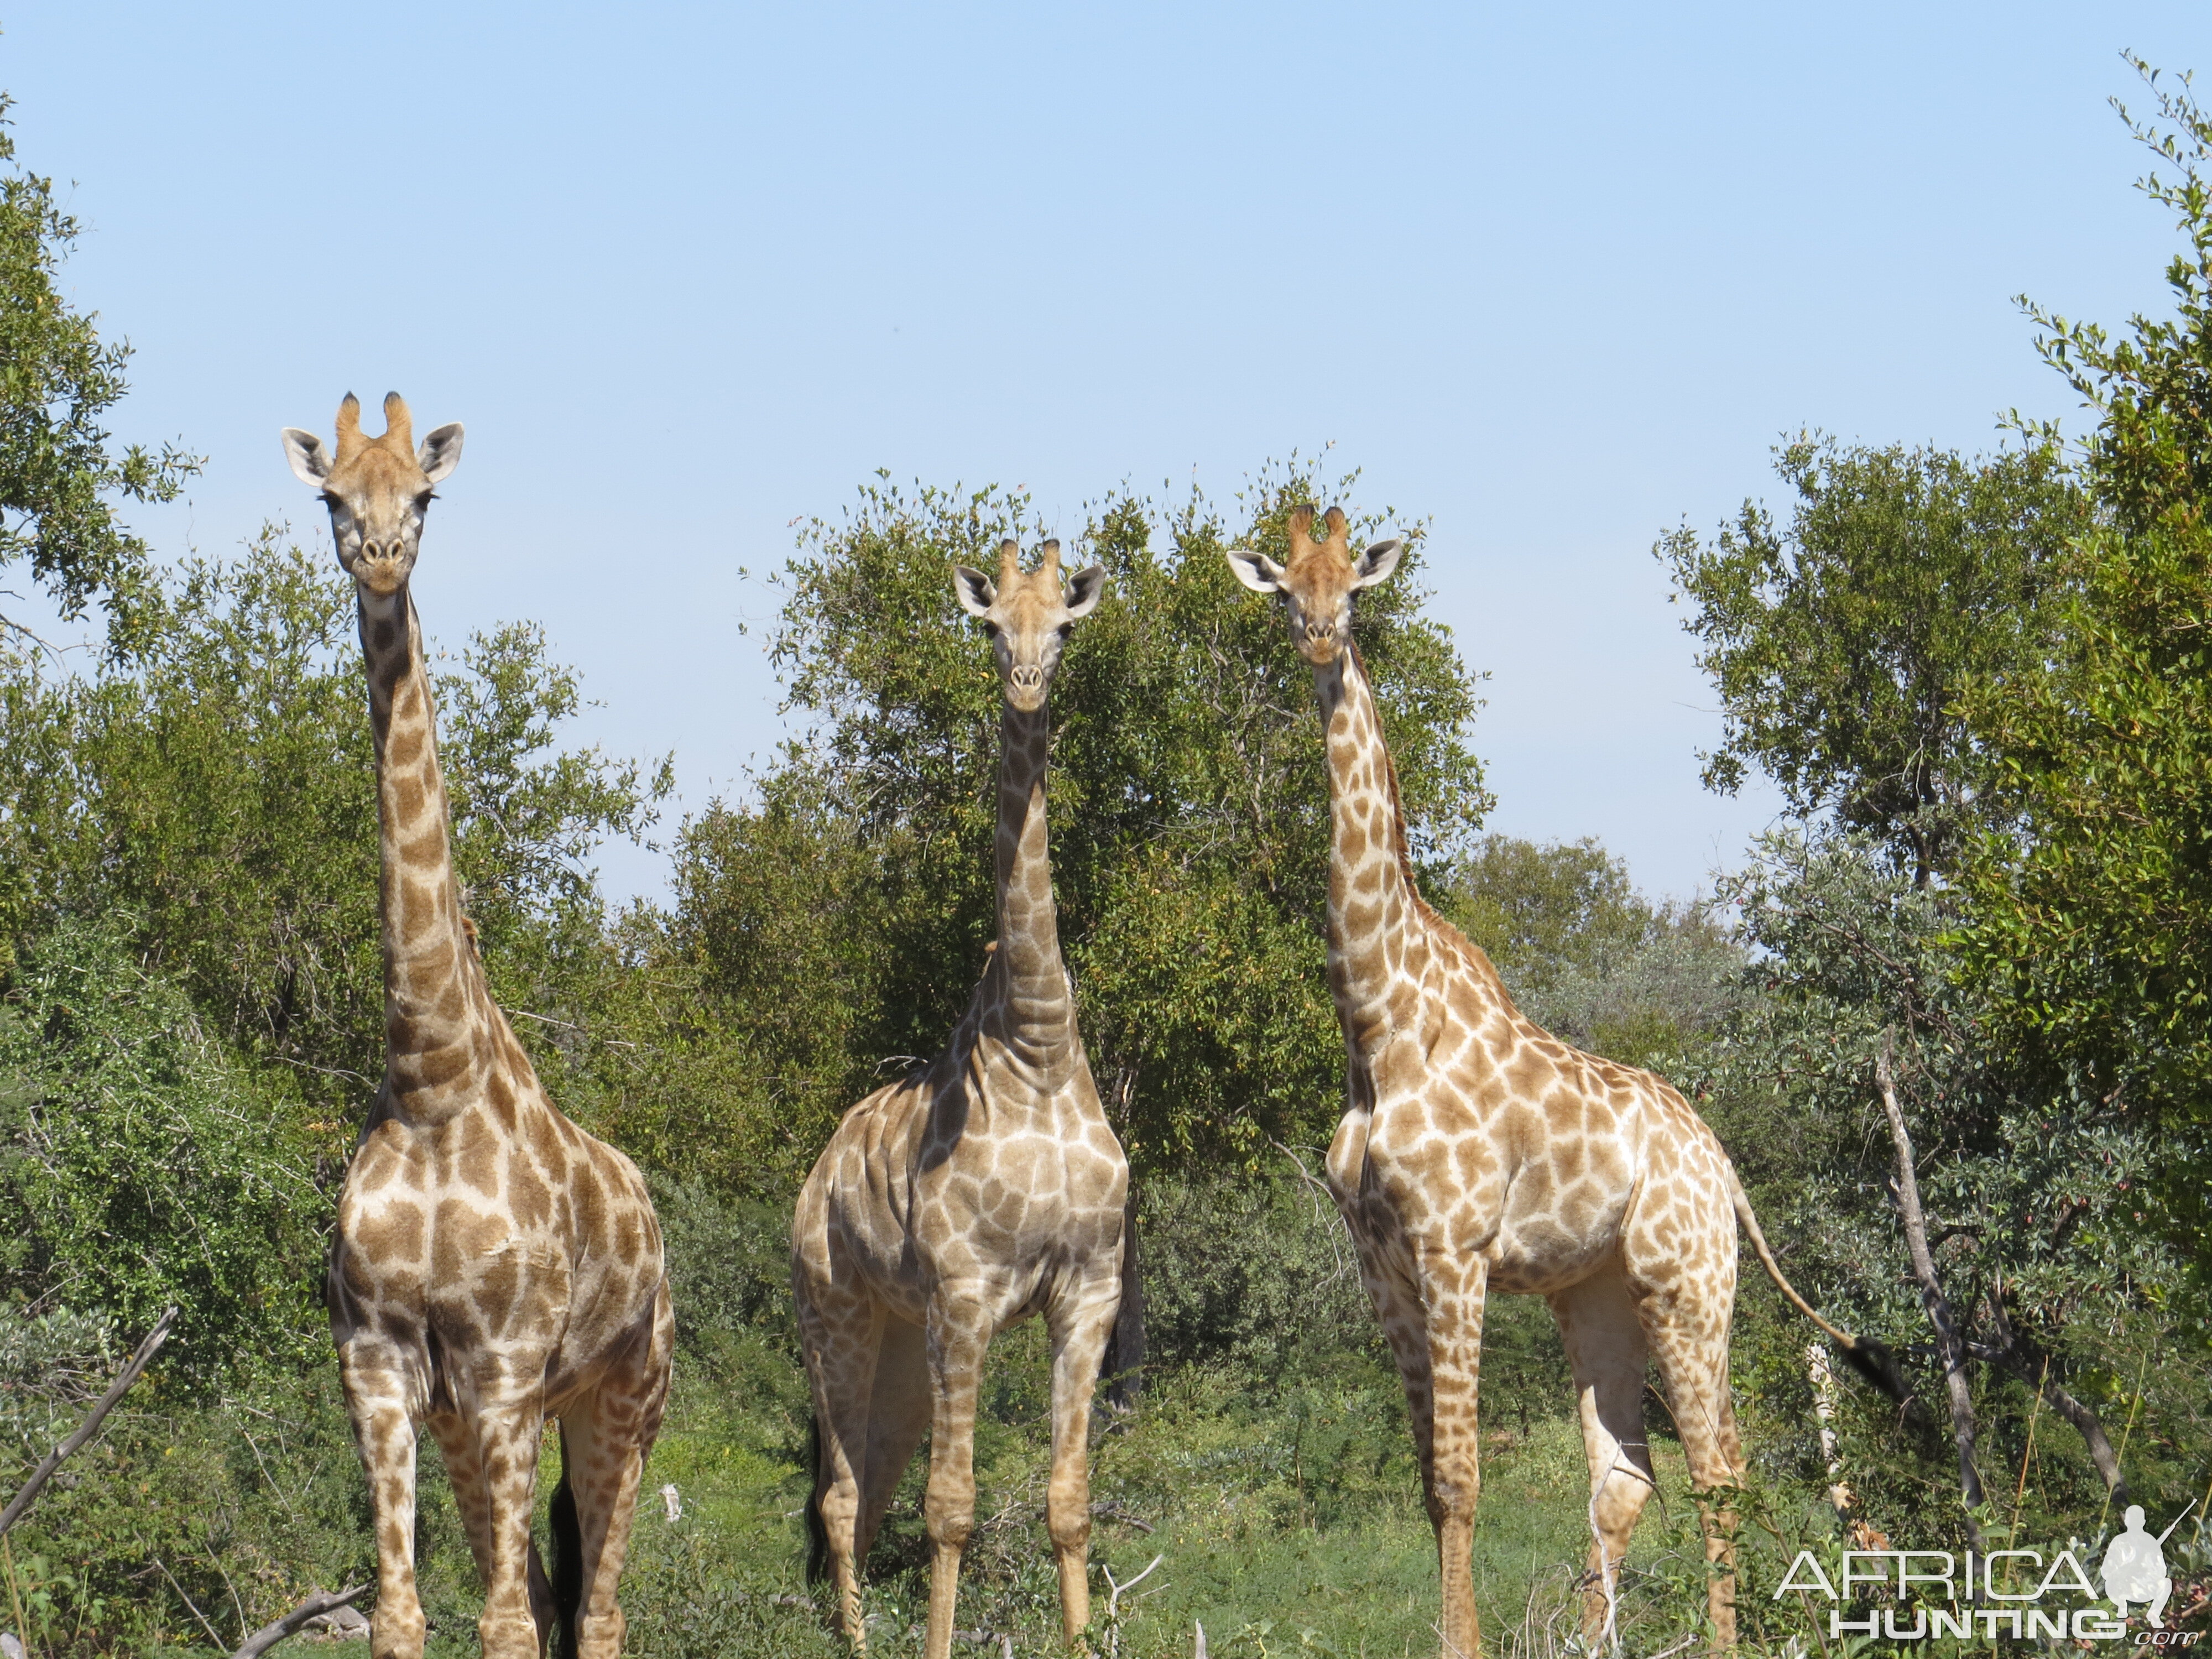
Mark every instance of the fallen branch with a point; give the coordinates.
(293, 1623)
(90, 1426)
(1112, 1509)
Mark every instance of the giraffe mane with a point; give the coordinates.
(1439, 925)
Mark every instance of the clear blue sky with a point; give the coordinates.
(1555, 278)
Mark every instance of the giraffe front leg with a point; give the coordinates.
(958, 1331)
(841, 1331)
(1453, 1283)
(1080, 1326)
(378, 1399)
(508, 1428)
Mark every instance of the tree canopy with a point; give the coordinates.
(60, 480)
(1189, 805)
(2092, 925)
(1843, 643)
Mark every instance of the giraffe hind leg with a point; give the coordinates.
(1693, 1355)
(1605, 1344)
(841, 1331)
(898, 1416)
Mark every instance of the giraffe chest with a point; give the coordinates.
(1010, 1204)
(449, 1242)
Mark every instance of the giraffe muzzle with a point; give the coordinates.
(1026, 678)
(381, 566)
(1318, 642)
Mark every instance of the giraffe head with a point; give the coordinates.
(1318, 582)
(378, 489)
(1027, 616)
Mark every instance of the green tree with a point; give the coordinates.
(2093, 928)
(1190, 816)
(144, 1166)
(1842, 644)
(2029, 1194)
(219, 786)
(59, 480)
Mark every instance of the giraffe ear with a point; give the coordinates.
(1376, 563)
(440, 452)
(1254, 570)
(311, 462)
(973, 589)
(1085, 589)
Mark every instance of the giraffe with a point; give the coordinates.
(493, 1266)
(982, 1189)
(1477, 1153)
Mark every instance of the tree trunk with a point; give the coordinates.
(1950, 1346)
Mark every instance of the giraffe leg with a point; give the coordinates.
(1453, 1283)
(958, 1334)
(1605, 1344)
(898, 1416)
(1405, 1328)
(378, 1401)
(605, 1437)
(508, 1428)
(1081, 1323)
(464, 1470)
(842, 1331)
(1691, 1345)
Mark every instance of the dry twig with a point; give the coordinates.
(90, 1426)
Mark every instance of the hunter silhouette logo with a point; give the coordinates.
(2135, 1568)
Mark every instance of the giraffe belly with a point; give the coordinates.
(1540, 1221)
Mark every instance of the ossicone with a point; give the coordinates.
(398, 424)
(350, 442)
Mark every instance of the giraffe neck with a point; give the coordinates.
(1030, 1010)
(1374, 913)
(433, 984)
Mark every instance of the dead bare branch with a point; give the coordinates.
(293, 1623)
(90, 1426)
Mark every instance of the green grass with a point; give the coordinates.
(1284, 1521)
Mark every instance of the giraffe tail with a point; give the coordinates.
(818, 1535)
(568, 1560)
(1871, 1359)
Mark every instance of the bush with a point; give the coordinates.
(145, 1167)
